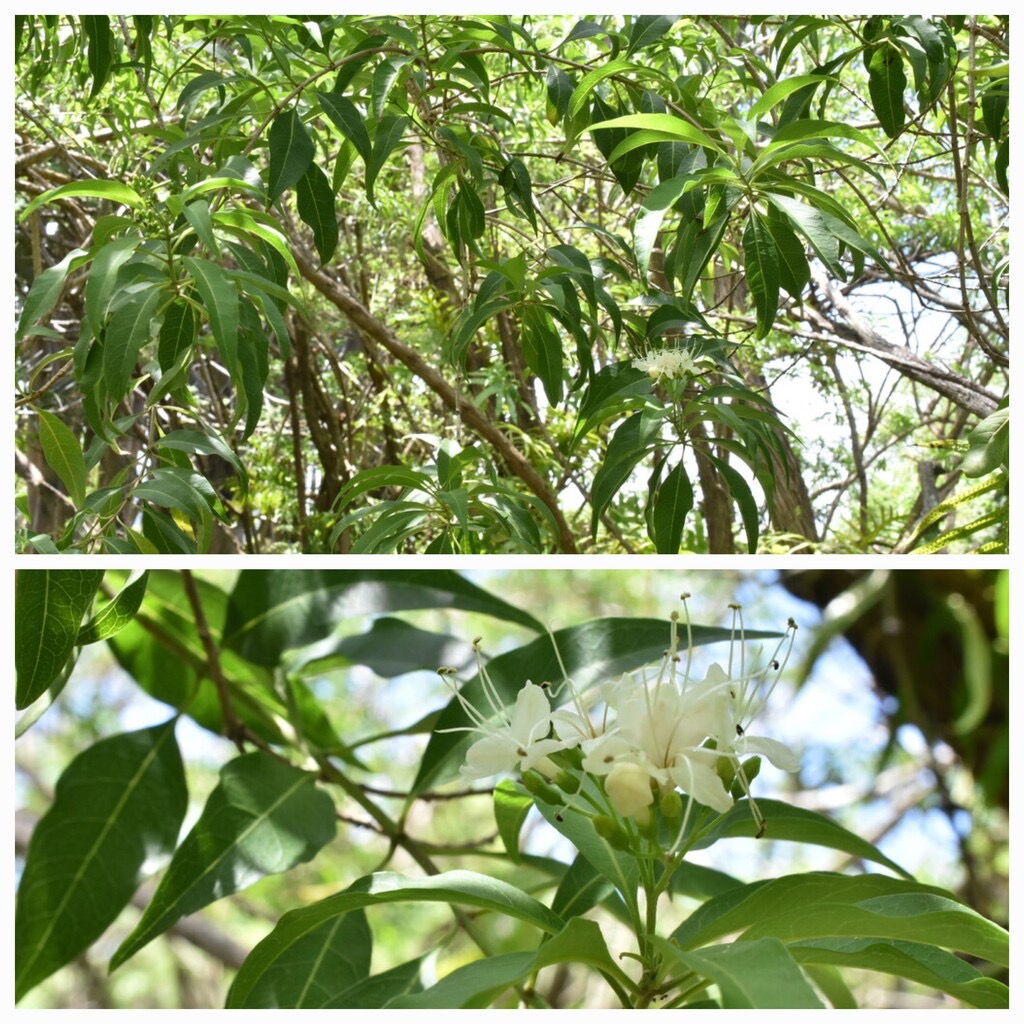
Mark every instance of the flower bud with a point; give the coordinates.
(535, 784)
(611, 831)
(751, 768)
(671, 806)
(629, 788)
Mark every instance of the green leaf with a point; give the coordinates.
(886, 84)
(178, 333)
(511, 806)
(811, 223)
(673, 502)
(582, 92)
(989, 444)
(757, 974)
(794, 272)
(652, 212)
(220, 297)
(49, 605)
(647, 29)
(654, 128)
(349, 121)
(100, 49)
(129, 329)
(628, 446)
(118, 805)
(927, 965)
(95, 188)
(542, 350)
(187, 492)
(583, 887)
(912, 916)
(467, 888)
(46, 290)
(795, 824)
(776, 93)
(613, 389)
(761, 263)
(205, 444)
(271, 612)
(103, 277)
(385, 140)
(315, 202)
(63, 454)
(117, 612)
(320, 969)
(263, 818)
(291, 153)
(744, 498)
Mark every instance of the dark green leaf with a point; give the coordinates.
(387, 137)
(291, 152)
(49, 605)
(46, 290)
(989, 444)
(220, 297)
(103, 277)
(272, 612)
(349, 120)
(761, 263)
(673, 502)
(118, 805)
(130, 328)
(454, 887)
(263, 818)
(628, 446)
(886, 84)
(178, 332)
(64, 455)
(542, 350)
(100, 49)
(647, 29)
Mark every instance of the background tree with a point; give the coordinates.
(512, 283)
(296, 722)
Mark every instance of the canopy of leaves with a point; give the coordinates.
(529, 284)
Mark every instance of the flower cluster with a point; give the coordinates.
(668, 362)
(643, 736)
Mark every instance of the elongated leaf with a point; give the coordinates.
(776, 93)
(349, 120)
(467, 888)
(206, 444)
(386, 139)
(795, 824)
(647, 29)
(794, 272)
(117, 612)
(648, 222)
(811, 223)
(542, 350)
(751, 975)
(178, 333)
(989, 444)
(272, 612)
(100, 49)
(315, 202)
(264, 817)
(613, 389)
(49, 605)
(95, 188)
(744, 906)
(886, 84)
(667, 126)
(64, 455)
(476, 985)
(910, 916)
(47, 288)
(291, 153)
(220, 298)
(927, 965)
(761, 264)
(130, 327)
(672, 504)
(117, 805)
(103, 277)
(318, 970)
(583, 887)
(629, 445)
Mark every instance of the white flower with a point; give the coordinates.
(668, 362)
(521, 740)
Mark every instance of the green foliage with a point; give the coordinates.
(254, 650)
(372, 224)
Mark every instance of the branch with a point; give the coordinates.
(856, 333)
(341, 297)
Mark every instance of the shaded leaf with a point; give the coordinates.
(116, 806)
(63, 454)
(315, 202)
(117, 612)
(263, 818)
(291, 153)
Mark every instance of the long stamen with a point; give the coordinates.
(689, 640)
